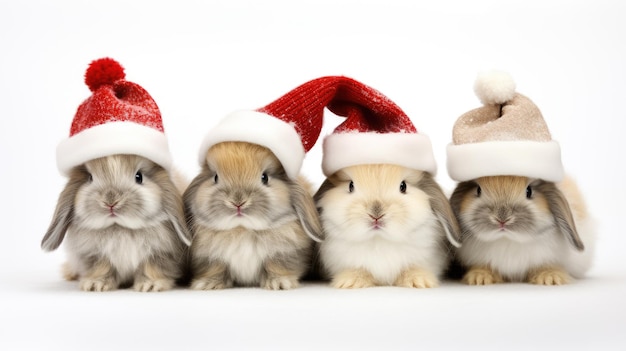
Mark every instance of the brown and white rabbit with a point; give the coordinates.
(521, 229)
(123, 223)
(384, 225)
(252, 225)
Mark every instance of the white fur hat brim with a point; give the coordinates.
(533, 159)
(262, 129)
(113, 138)
(410, 150)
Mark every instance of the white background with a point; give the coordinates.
(201, 60)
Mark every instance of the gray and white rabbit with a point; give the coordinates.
(122, 220)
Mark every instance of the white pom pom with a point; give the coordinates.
(494, 87)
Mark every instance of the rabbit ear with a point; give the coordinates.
(441, 208)
(306, 211)
(64, 212)
(174, 208)
(559, 207)
(190, 194)
(326, 185)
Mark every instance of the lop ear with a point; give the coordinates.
(559, 207)
(64, 212)
(326, 185)
(190, 194)
(174, 209)
(441, 208)
(305, 208)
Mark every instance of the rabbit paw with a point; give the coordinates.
(353, 279)
(548, 276)
(280, 283)
(482, 276)
(210, 284)
(96, 285)
(417, 278)
(68, 272)
(153, 285)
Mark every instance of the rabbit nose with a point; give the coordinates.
(238, 204)
(504, 214)
(238, 197)
(110, 197)
(377, 210)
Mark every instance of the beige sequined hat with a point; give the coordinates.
(506, 136)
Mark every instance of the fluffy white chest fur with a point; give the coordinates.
(125, 249)
(245, 251)
(513, 259)
(245, 259)
(385, 259)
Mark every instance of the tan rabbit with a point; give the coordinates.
(123, 223)
(384, 225)
(520, 229)
(521, 218)
(252, 225)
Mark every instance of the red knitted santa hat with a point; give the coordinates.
(289, 126)
(376, 131)
(119, 117)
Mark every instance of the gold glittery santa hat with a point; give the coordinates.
(506, 136)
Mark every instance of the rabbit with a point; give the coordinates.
(123, 223)
(384, 225)
(522, 230)
(251, 224)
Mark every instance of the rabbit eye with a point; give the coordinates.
(138, 177)
(403, 187)
(215, 178)
(265, 178)
(478, 191)
(529, 192)
(89, 177)
(351, 186)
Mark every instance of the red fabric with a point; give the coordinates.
(366, 109)
(104, 71)
(114, 100)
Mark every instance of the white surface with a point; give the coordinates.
(202, 60)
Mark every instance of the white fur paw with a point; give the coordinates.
(153, 285)
(280, 283)
(417, 278)
(482, 276)
(211, 284)
(68, 272)
(355, 279)
(549, 276)
(96, 285)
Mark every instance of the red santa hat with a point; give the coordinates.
(376, 131)
(119, 117)
(289, 126)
